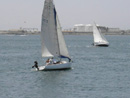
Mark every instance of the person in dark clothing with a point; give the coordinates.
(35, 65)
(70, 60)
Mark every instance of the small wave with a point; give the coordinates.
(23, 35)
(76, 46)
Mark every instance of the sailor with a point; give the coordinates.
(51, 61)
(70, 60)
(47, 61)
(54, 61)
(35, 65)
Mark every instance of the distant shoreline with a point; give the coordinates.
(4, 32)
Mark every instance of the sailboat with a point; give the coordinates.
(99, 39)
(53, 43)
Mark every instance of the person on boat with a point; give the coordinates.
(70, 60)
(35, 65)
(47, 61)
(54, 61)
(50, 61)
(58, 62)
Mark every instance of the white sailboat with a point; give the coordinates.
(53, 43)
(99, 39)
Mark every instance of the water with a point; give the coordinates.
(98, 72)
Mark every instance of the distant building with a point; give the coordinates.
(29, 29)
(86, 28)
(79, 28)
(113, 30)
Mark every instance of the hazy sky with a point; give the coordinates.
(27, 13)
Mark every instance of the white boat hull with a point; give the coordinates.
(65, 65)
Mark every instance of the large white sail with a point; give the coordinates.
(53, 43)
(98, 36)
(62, 46)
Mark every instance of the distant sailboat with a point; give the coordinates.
(99, 39)
(53, 43)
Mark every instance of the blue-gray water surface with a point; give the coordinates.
(98, 72)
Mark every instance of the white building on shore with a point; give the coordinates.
(82, 28)
(86, 28)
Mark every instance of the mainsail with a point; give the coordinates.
(53, 44)
(98, 36)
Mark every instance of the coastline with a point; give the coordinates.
(20, 32)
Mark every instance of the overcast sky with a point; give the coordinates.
(27, 13)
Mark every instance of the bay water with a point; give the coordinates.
(97, 72)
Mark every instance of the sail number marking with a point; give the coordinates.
(46, 21)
